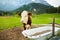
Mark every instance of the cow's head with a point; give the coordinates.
(24, 16)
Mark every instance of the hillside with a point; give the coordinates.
(38, 7)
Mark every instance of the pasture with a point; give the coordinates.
(7, 22)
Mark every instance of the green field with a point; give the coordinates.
(7, 22)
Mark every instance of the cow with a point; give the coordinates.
(26, 19)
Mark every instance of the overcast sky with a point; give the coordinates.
(13, 4)
(54, 3)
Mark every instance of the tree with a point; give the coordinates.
(59, 9)
(51, 10)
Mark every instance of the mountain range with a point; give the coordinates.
(34, 7)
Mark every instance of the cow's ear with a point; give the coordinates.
(19, 13)
(30, 14)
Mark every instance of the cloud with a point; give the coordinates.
(3, 2)
(9, 4)
(33, 0)
(36, 1)
(54, 3)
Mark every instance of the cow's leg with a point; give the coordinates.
(24, 26)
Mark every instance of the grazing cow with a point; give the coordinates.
(26, 19)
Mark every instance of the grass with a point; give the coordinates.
(45, 18)
(7, 22)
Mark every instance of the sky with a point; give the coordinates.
(14, 4)
(11, 4)
(54, 3)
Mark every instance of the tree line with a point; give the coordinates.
(53, 10)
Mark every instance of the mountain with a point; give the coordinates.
(34, 7)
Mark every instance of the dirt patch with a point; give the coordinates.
(12, 34)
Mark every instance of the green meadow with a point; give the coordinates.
(7, 22)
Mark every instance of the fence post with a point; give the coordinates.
(53, 26)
